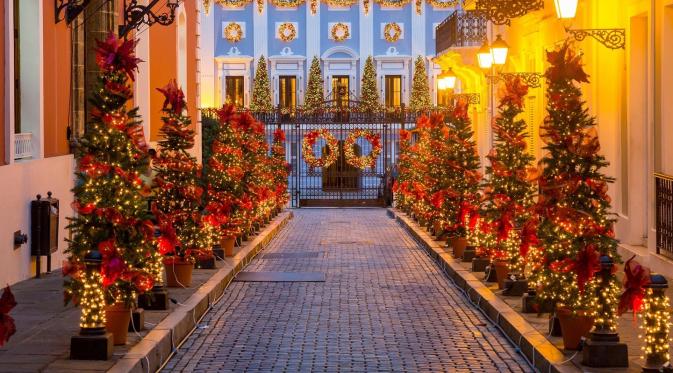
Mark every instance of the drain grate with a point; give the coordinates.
(301, 255)
(280, 277)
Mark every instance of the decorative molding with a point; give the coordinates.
(501, 12)
(613, 38)
(470, 98)
(532, 80)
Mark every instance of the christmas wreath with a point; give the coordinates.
(363, 161)
(392, 32)
(340, 32)
(307, 148)
(287, 32)
(233, 32)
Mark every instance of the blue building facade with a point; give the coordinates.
(341, 33)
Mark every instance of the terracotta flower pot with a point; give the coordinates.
(227, 244)
(573, 327)
(458, 244)
(179, 274)
(117, 321)
(501, 272)
(437, 227)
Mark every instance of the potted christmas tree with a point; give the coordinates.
(508, 190)
(186, 236)
(112, 226)
(461, 204)
(420, 100)
(224, 176)
(575, 228)
(280, 170)
(314, 101)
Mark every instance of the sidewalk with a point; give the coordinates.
(505, 306)
(44, 326)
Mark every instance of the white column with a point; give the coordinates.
(143, 89)
(312, 32)
(417, 30)
(260, 29)
(207, 55)
(366, 34)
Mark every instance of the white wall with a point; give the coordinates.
(21, 182)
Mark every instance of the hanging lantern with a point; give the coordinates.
(499, 50)
(565, 8)
(484, 56)
(446, 80)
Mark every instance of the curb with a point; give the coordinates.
(541, 353)
(155, 348)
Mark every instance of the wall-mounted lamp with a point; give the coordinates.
(499, 49)
(565, 9)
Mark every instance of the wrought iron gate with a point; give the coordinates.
(340, 185)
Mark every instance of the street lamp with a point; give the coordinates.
(565, 8)
(484, 56)
(446, 80)
(499, 50)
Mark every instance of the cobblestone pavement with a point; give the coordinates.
(385, 306)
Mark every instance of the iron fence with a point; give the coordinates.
(664, 214)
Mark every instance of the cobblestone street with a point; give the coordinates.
(384, 306)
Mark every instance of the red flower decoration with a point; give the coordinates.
(174, 98)
(7, 326)
(113, 55)
(566, 65)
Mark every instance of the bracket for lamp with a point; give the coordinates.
(532, 80)
(470, 98)
(136, 15)
(613, 38)
(68, 10)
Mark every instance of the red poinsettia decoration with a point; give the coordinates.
(513, 92)
(113, 55)
(565, 65)
(637, 277)
(7, 326)
(174, 98)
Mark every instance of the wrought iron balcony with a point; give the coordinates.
(461, 29)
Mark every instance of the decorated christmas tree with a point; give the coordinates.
(258, 181)
(261, 88)
(315, 96)
(575, 228)
(508, 190)
(369, 94)
(280, 169)
(460, 206)
(224, 176)
(112, 223)
(179, 196)
(420, 89)
(405, 172)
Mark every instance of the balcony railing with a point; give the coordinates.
(23, 145)
(461, 29)
(664, 214)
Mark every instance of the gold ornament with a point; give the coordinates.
(260, 6)
(341, 3)
(419, 7)
(443, 4)
(392, 32)
(314, 6)
(287, 32)
(340, 32)
(206, 6)
(287, 3)
(233, 32)
(233, 3)
(393, 3)
(365, 5)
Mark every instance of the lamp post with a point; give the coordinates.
(93, 342)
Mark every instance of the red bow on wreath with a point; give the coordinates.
(637, 277)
